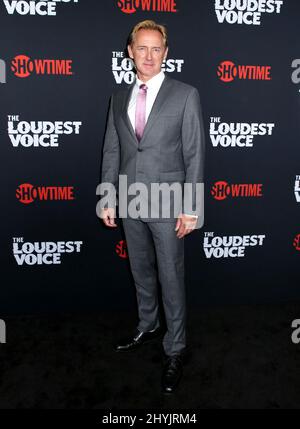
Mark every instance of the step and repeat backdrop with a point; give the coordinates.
(59, 63)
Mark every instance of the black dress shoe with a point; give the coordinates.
(136, 340)
(171, 373)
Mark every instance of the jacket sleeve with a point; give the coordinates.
(193, 149)
(111, 152)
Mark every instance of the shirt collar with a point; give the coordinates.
(154, 82)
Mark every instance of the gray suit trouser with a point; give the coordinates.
(155, 253)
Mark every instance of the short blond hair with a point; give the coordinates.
(148, 25)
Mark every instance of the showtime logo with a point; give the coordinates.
(227, 71)
(33, 7)
(39, 133)
(296, 242)
(232, 246)
(221, 190)
(237, 134)
(22, 66)
(43, 252)
(27, 193)
(123, 67)
(131, 6)
(121, 249)
(245, 11)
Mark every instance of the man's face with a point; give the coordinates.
(148, 52)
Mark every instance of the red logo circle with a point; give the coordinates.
(220, 190)
(128, 6)
(22, 66)
(296, 242)
(26, 193)
(227, 71)
(121, 249)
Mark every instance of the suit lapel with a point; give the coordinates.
(157, 105)
(125, 110)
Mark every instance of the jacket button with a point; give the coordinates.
(140, 150)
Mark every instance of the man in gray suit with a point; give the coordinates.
(155, 135)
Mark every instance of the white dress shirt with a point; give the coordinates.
(153, 86)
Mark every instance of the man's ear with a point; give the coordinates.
(130, 51)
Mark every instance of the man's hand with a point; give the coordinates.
(185, 224)
(108, 216)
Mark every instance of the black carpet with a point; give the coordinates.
(238, 357)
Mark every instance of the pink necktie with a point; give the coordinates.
(140, 112)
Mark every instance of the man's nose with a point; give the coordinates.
(149, 54)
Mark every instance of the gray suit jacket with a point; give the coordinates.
(171, 149)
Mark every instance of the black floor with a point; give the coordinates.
(239, 357)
